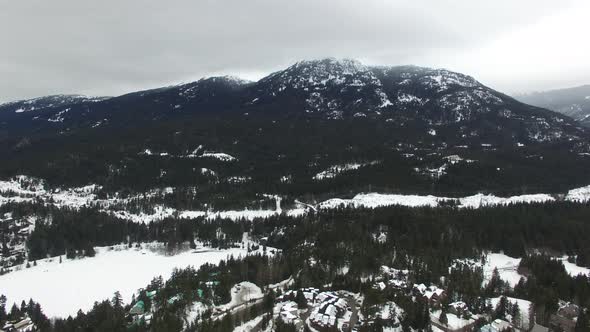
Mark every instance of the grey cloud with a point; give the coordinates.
(110, 47)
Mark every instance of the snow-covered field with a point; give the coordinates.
(506, 265)
(242, 293)
(573, 269)
(64, 288)
(373, 200)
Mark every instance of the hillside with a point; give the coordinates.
(573, 102)
(404, 129)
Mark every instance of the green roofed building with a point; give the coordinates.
(138, 308)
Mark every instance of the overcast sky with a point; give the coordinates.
(110, 47)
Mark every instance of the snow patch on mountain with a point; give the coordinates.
(219, 156)
(336, 170)
(579, 195)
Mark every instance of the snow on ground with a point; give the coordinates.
(454, 322)
(580, 195)
(506, 265)
(523, 305)
(244, 214)
(28, 189)
(241, 293)
(573, 269)
(335, 170)
(218, 155)
(249, 325)
(373, 200)
(479, 200)
(64, 288)
(194, 311)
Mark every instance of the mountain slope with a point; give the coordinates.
(326, 89)
(573, 102)
(317, 128)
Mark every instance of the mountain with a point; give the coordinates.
(327, 88)
(573, 102)
(316, 127)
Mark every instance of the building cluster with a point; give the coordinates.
(13, 236)
(24, 324)
(325, 311)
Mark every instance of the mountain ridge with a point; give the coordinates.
(326, 88)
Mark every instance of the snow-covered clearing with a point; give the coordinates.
(64, 288)
(523, 305)
(506, 265)
(373, 200)
(573, 269)
(580, 195)
(241, 294)
(454, 322)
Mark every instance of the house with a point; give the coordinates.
(432, 294)
(331, 307)
(138, 309)
(459, 308)
(454, 324)
(23, 325)
(497, 325)
(289, 313)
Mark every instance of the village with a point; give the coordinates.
(314, 309)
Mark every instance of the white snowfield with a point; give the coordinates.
(374, 200)
(580, 195)
(64, 288)
(573, 269)
(508, 268)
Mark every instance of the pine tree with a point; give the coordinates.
(3, 308)
(301, 300)
(516, 318)
(443, 317)
(582, 323)
(117, 300)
